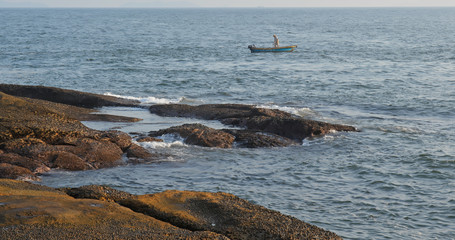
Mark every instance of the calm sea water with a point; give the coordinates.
(389, 72)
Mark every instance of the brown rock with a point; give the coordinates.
(70, 97)
(29, 211)
(123, 140)
(224, 214)
(39, 136)
(106, 118)
(294, 128)
(254, 139)
(69, 161)
(99, 154)
(198, 134)
(139, 153)
(149, 139)
(15, 172)
(215, 111)
(103, 193)
(21, 161)
(256, 119)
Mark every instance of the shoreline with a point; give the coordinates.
(41, 130)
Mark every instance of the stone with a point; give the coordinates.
(15, 172)
(149, 139)
(69, 161)
(65, 96)
(103, 193)
(29, 211)
(123, 140)
(257, 119)
(21, 161)
(254, 139)
(39, 135)
(294, 128)
(224, 214)
(198, 134)
(138, 154)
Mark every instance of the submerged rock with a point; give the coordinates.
(198, 134)
(264, 127)
(257, 139)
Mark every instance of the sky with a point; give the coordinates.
(224, 3)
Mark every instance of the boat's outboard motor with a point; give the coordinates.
(251, 46)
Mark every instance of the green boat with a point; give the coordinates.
(255, 49)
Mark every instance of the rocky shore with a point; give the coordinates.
(30, 211)
(40, 130)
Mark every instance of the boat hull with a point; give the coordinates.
(275, 49)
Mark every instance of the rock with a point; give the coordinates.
(29, 211)
(138, 154)
(123, 140)
(198, 134)
(103, 193)
(256, 119)
(149, 139)
(294, 128)
(69, 161)
(99, 154)
(15, 172)
(21, 161)
(79, 113)
(225, 214)
(214, 111)
(69, 97)
(35, 135)
(254, 139)
(106, 118)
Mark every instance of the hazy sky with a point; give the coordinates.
(224, 3)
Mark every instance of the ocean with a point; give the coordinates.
(390, 72)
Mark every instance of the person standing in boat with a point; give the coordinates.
(276, 42)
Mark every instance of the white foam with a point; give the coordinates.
(155, 145)
(293, 110)
(147, 100)
(169, 141)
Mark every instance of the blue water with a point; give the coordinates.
(390, 72)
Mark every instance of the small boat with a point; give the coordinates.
(272, 49)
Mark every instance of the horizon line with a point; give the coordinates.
(199, 7)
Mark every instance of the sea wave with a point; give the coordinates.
(169, 141)
(303, 112)
(148, 100)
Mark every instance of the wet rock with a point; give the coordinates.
(252, 118)
(198, 134)
(65, 96)
(35, 136)
(106, 118)
(69, 161)
(148, 139)
(294, 128)
(103, 193)
(29, 211)
(21, 161)
(254, 139)
(15, 172)
(215, 111)
(137, 154)
(225, 214)
(123, 140)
